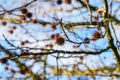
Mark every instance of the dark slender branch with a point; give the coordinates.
(9, 11)
(93, 8)
(8, 41)
(51, 51)
(8, 53)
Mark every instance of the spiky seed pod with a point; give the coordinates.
(3, 60)
(3, 23)
(94, 39)
(68, 1)
(22, 43)
(29, 15)
(52, 36)
(42, 49)
(81, 57)
(86, 40)
(53, 27)
(12, 71)
(59, 2)
(96, 36)
(10, 31)
(22, 71)
(24, 11)
(60, 41)
(26, 41)
(50, 45)
(13, 27)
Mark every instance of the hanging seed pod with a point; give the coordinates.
(53, 27)
(3, 23)
(60, 41)
(3, 60)
(86, 40)
(12, 70)
(96, 36)
(59, 2)
(14, 27)
(68, 1)
(10, 31)
(22, 71)
(24, 11)
(29, 15)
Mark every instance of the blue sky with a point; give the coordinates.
(40, 32)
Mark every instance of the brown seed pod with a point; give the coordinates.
(3, 60)
(22, 71)
(12, 71)
(10, 31)
(50, 45)
(81, 57)
(26, 51)
(24, 11)
(29, 15)
(59, 2)
(60, 41)
(96, 36)
(14, 27)
(42, 49)
(53, 27)
(3, 23)
(68, 1)
(86, 40)
(22, 43)
(26, 41)
(52, 36)
(94, 39)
